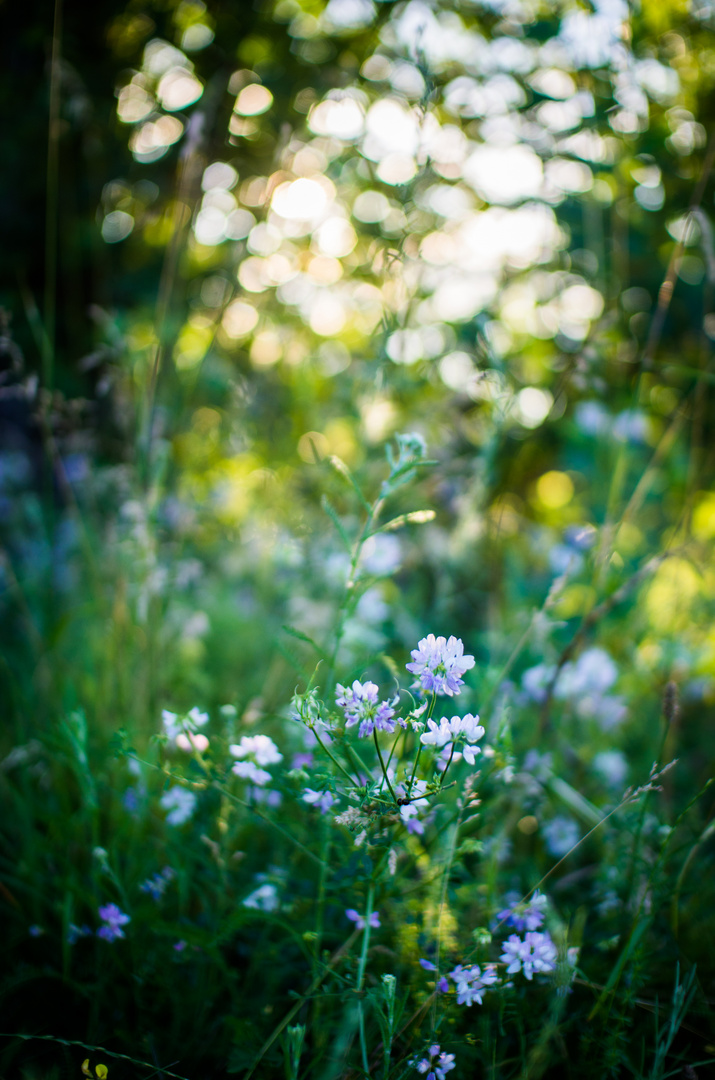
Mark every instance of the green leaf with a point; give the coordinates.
(333, 515)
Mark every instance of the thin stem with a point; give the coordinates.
(333, 758)
(361, 972)
(382, 764)
(419, 745)
(441, 779)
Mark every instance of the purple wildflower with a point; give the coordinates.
(361, 705)
(439, 664)
(436, 1064)
(536, 952)
(323, 800)
(471, 982)
(359, 919)
(114, 919)
(525, 916)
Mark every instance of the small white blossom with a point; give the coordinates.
(180, 803)
(263, 749)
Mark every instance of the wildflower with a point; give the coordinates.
(192, 741)
(439, 664)
(179, 946)
(114, 919)
(441, 986)
(360, 703)
(182, 730)
(359, 920)
(180, 803)
(172, 726)
(471, 982)
(323, 800)
(35, 931)
(560, 835)
(536, 952)
(263, 749)
(436, 1064)
(264, 898)
(437, 734)
(156, 886)
(248, 770)
(528, 916)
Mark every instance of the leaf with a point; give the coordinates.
(301, 636)
(340, 466)
(415, 517)
(333, 515)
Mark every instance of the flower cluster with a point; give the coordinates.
(471, 982)
(361, 705)
(536, 952)
(527, 916)
(436, 1064)
(442, 735)
(180, 803)
(155, 887)
(181, 730)
(255, 751)
(439, 665)
(322, 800)
(113, 919)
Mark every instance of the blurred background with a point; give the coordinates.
(243, 240)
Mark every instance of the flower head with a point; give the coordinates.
(361, 705)
(323, 800)
(253, 752)
(180, 803)
(436, 1064)
(536, 952)
(439, 664)
(359, 919)
(528, 916)
(113, 919)
(260, 747)
(471, 982)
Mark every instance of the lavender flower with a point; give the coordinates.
(262, 750)
(536, 952)
(471, 982)
(156, 886)
(436, 1064)
(528, 916)
(439, 664)
(323, 800)
(359, 919)
(180, 803)
(361, 705)
(114, 919)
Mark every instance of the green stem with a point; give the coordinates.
(334, 760)
(382, 764)
(441, 779)
(361, 972)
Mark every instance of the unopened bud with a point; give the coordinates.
(671, 706)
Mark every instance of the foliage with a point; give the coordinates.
(237, 834)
